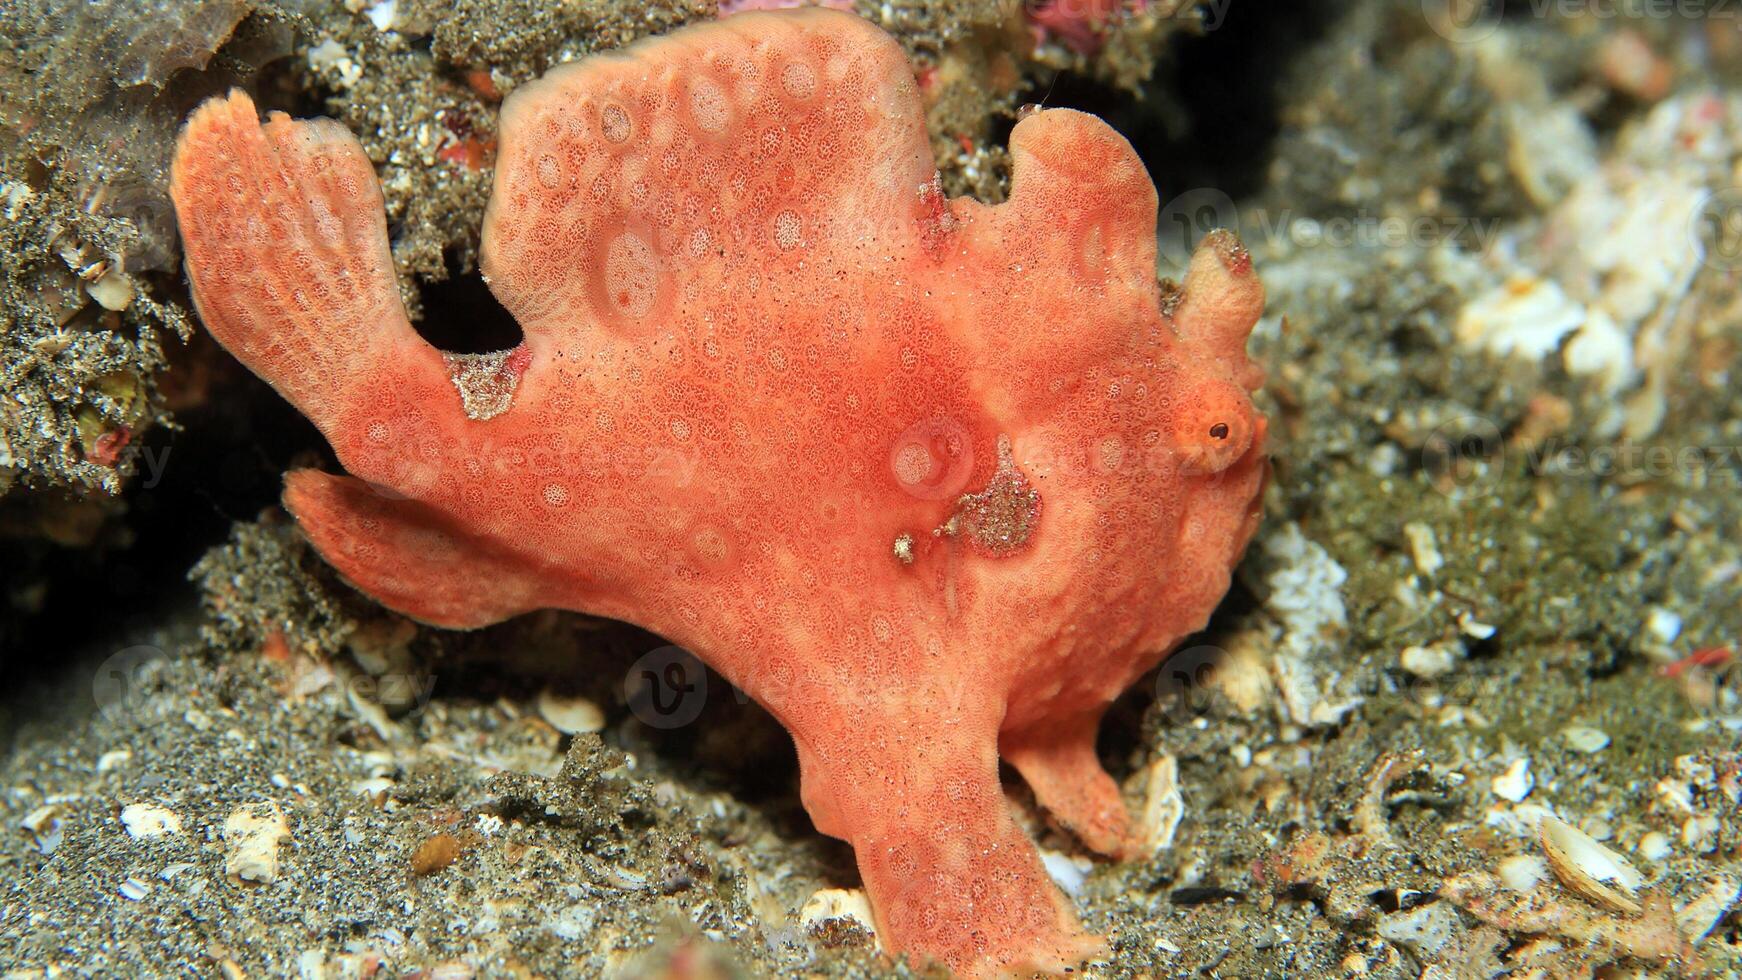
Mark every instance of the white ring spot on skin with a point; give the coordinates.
(799, 80)
(912, 464)
(680, 430)
(550, 172)
(708, 105)
(1112, 453)
(631, 275)
(698, 242)
(555, 494)
(328, 227)
(710, 544)
(614, 123)
(378, 433)
(788, 230)
(882, 629)
(932, 459)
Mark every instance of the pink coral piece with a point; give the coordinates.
(933, 480)
(1080, 24)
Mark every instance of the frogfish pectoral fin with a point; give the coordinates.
(407, 554)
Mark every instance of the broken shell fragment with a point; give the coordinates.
(112, 290)
(1515, 783)
(1589, 868)
(1700, 916)
(570, 715)
(849, 904)
(253, 833)
(1164, 807)
(435, 854)
(144, 820)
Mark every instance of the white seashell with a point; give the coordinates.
(1066, 871)
(1588, 867)
(1163, 806)
(1655, 846)
(1515, 783)
(570, 715)
(253, 833)
(839, 903)
(1424, 548)
(144, 820)
(112, 291)
(1432, 661)
(1585, 739)
(1523, 872)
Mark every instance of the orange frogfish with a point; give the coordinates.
(934, 481)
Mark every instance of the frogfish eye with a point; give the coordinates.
(1214, 426)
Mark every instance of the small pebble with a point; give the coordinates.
(1066, 871)
(114, 291)
(110, 761)
(253, 833)
(1429, 662)
(44, 824)
(1523, 872)
(1655, 846)
(1584, 739)
(1701, 915)
(1424, 930)
(570, 715)
(1663, 625)
(434, 855)
(1700, 833)
(1474, 628)
(1423, 547)
(146, 820)
(838, 903)
(1515, 783)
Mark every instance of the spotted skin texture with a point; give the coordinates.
(933, 480)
